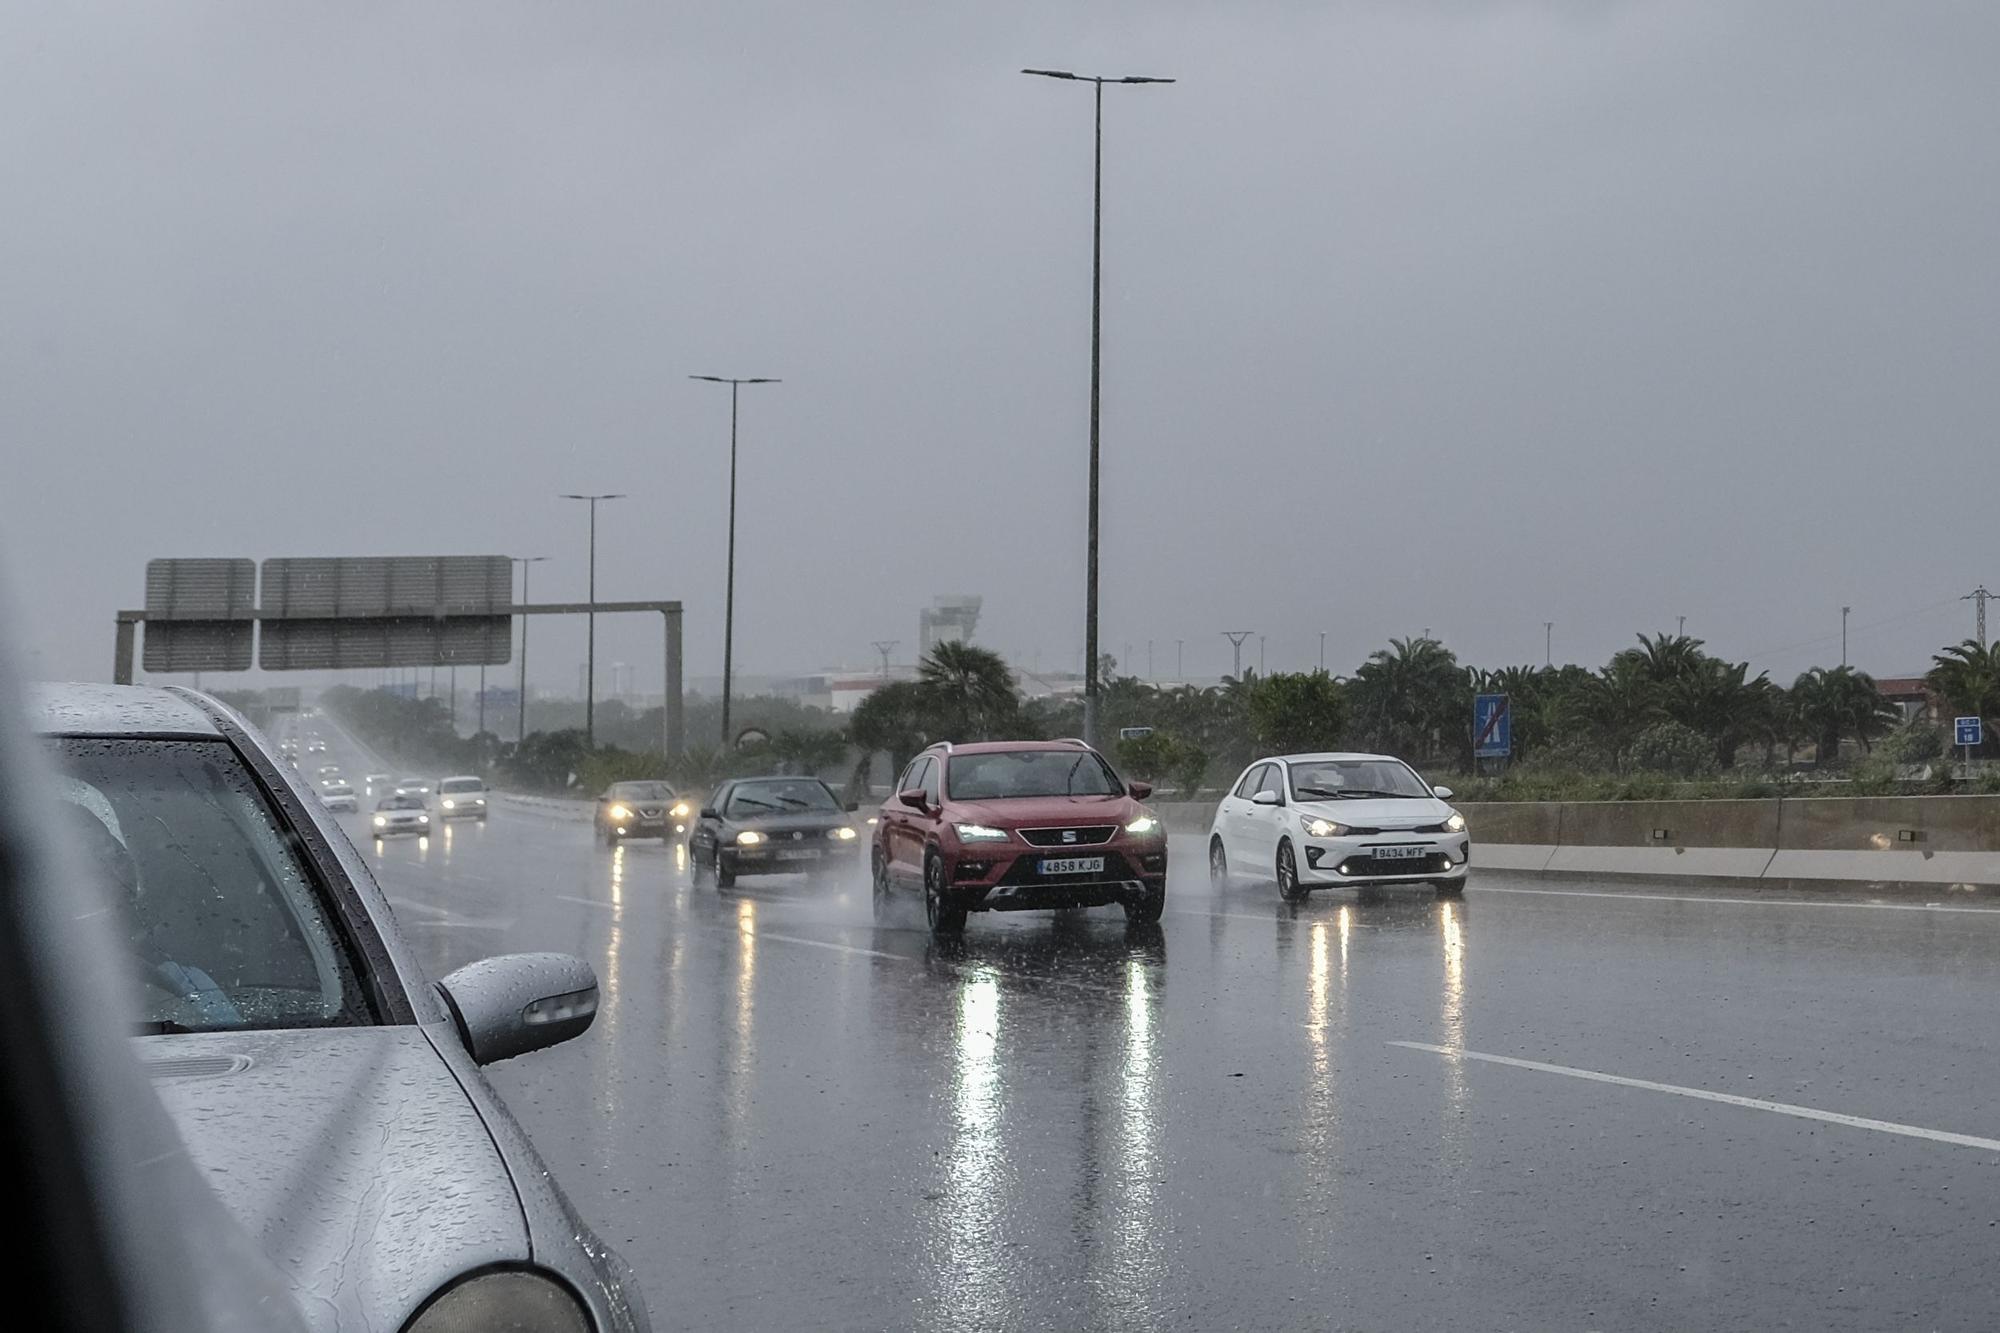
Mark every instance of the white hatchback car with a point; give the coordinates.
(1313, 820)
(462, 798)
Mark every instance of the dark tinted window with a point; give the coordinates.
(998, 774)
(225, 925)
(932, 777)
(779, 796)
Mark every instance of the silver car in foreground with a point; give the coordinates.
(330, 1093)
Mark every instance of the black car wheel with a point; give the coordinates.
(1146, 910)
(878, 880)
(725, 876)
(1218, 865)
(945, 918)
(1289, 887)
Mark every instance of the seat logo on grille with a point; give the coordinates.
(1069, 835)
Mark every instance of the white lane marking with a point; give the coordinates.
(1742, 902)
(587, 902)
(827, 944)
(1726, 1098)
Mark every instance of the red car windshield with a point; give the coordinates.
(999, 775)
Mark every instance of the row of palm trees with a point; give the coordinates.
(1664, 703)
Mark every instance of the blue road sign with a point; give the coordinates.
(1492, 726)
(1966, 731)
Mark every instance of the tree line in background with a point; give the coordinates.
(1662, 711)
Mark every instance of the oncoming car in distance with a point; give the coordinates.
(462, 798)
(328, 1090)
(412, 787)
(1311, 821)
(400, 817)
(1004, 826)
(772, 826)
(339, 796)
(639, 809)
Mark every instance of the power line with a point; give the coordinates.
(1236, 638)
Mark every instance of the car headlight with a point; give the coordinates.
(619, 812)
(449, 805)
(749, 838)
(423, 819)
(979, 833)
(381, 821)
(1143, 824)
(509, 1298)
(845, 834)
(1456, 824)
(1316, 827)
(681, 810)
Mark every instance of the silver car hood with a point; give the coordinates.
(1376, 812)
(351, 1155)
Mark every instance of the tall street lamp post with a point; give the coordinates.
(729, 588)
(590, 634)
(521, 725)
(1096, 327)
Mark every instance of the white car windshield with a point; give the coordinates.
(1354, 779)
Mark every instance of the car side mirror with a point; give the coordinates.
(1267, 797)
(914, 798)
(1442, 793)
(1140, 790)
(852, 806)
(708, 812)
(514, 1003)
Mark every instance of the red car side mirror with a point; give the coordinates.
(914, 798)
(1140, 790)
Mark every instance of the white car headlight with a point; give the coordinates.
(506, 1298)
(845, 834)
(381, 821)
(749, 838)
(979, 833)
(681, 810)
(450, 805)
(620, 813)
(1316, 827)
(1456, 824)
(1143, 824)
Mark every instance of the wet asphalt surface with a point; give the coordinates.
(789, 1116)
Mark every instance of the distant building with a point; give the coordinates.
(1910, 694)
(840, 690)
(948, 619)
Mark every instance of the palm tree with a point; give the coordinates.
(1619, 702)
(1714, 698)
(1831, 703)
(1664, 657)
(1411, 695)
(969, 690)
(1967, 676)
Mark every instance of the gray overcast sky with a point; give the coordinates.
(1462, 316)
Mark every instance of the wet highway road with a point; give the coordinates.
(789, 1117)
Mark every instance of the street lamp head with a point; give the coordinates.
(619, 496)
(1138, 78)
(1053, 73)
(727, 379)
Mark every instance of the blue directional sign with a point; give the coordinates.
(1966, 731)
(1492, 726)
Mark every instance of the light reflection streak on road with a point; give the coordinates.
(608, 987)
(975, 1263)
(1451, 931)
(1137, 1274)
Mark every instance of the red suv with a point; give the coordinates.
(1006, 826)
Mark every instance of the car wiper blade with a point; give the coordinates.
(1320, 791)
(160, 1027)
(752, 800)
(1387, 795)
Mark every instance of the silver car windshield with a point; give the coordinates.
(226, 928)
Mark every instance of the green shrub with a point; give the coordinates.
(1673, 748)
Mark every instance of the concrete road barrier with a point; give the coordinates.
(1916, 841)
